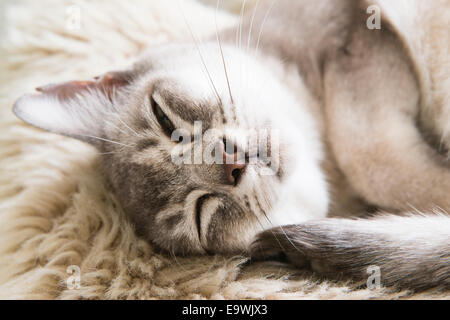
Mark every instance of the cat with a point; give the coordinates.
(356, 132)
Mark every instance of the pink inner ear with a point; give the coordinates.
(67, 90)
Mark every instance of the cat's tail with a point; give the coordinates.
(404, 251)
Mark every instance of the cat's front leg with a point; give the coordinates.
(393, 246)
(299, 244)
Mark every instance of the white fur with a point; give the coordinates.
(258, 94)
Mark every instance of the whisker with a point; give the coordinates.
(129, 128)
(281, 227)
(267, 218)
(249, 207)
(104, 153)
(261, 29)
(115, 126)
(251, 25)
(262, 26)
(240, 22)
(106, 140)
(172, 253)
(288, 239)
(221, 53)
(200, 54)
(121, 130)
(241, 12)
(117, 114)
(239, 32)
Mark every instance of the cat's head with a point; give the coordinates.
(202, 152)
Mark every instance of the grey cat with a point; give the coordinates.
(361, 119)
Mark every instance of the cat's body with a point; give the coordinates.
(383, 111)
(356, 113)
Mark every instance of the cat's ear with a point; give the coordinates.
(75, 108)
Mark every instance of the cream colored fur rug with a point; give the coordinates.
(54, 210)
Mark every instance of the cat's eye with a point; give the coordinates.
(162, 118)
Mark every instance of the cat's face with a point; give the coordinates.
(201, 152)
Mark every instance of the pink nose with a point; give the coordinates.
(233, 170)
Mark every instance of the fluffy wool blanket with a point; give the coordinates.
(62, 235)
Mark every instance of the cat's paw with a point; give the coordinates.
(292, 243)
